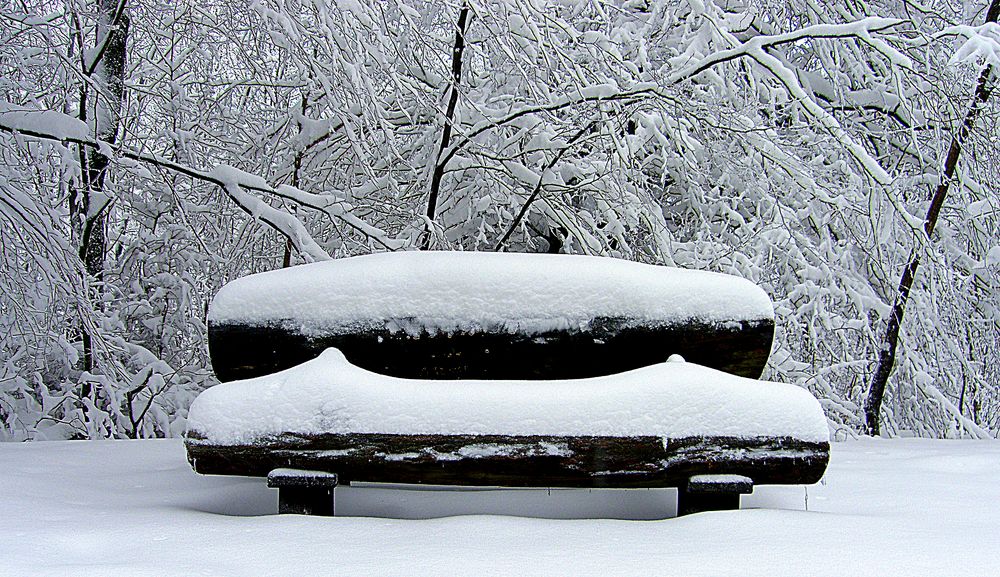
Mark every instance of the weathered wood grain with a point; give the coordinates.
(519, 461)
(604, 347)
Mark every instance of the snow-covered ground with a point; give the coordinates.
(887, 507)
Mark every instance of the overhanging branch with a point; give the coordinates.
(57, 127)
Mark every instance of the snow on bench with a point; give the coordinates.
(489, 315)
(372, 369)
(656, 426)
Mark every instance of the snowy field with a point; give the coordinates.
(886, 507)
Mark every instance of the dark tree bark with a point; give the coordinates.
(538, 187)
(286, 261)
(88, 207)
(890, 342)
(441, 161)
(108, 73)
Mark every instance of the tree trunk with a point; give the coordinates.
(887, 352)
(88, 209)
(456, 77)
(108, 73)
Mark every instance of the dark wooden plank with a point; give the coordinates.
(689, 502)
(318, 501)
(519, 461)
(304, 492)
(605, 347)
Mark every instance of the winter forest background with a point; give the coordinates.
(152, 150)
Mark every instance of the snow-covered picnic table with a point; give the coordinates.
(659, 422)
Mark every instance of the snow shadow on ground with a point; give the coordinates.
(251, 497)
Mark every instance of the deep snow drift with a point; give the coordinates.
(887, 508)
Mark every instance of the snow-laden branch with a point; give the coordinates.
(234, 182)
(878, 99)
(934, 394)
(538, 186)
(55, 126)
(787, 78)
(754, 48)
(589, 94)
(860, 29)
(981, 43)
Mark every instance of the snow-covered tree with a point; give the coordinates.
(794, 143)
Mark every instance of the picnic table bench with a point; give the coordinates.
(500, 370)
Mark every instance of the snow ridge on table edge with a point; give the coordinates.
(451, 290)
(671, 400)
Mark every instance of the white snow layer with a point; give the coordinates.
(50, 122)
(472, 290)
(672, 400)
(886, 508)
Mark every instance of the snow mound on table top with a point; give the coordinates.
(672, 400)
(456, 290)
